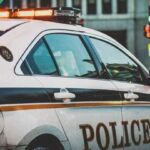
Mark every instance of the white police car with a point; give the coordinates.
(66, 87)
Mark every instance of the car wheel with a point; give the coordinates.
(41, 148)
(45, 145)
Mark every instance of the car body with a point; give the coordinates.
(70, 87)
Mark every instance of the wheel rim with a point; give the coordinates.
(41, 148)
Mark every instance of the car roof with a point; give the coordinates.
(17, 34)
(38, 26)
(5, 24)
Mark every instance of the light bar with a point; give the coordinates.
(40, 13)
(4, 14)
(67, 15)
(33, 13)
(24, 13)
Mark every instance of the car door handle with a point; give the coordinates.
(64, 95)
(130, 96)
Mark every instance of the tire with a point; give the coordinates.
(40, 148)
(44, 147)
(45, 143)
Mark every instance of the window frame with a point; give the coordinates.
(84, 40)
(114, 44)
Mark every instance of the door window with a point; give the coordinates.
(39, 61)
(119, 65)
(71, 55)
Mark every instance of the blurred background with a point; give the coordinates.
(123, 20)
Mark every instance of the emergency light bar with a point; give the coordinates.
(24, 13)
(4, 14)
(58, 14)
(32, 13)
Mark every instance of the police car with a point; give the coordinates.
(66, 87)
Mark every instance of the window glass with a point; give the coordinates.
(121, 6)
(17, 3)
(61, 3)
(31, 3)
(106, 6)
(91, 7)
(45, 3)
(76, 4)
(39, 60)
(4, 4)
(118, 64)
(71, 55)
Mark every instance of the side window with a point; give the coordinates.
(39, 61)
(71, 56)
(118, 64)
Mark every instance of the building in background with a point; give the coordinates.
(122, 19)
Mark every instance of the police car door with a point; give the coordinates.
(89, 108)
(127, 75)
